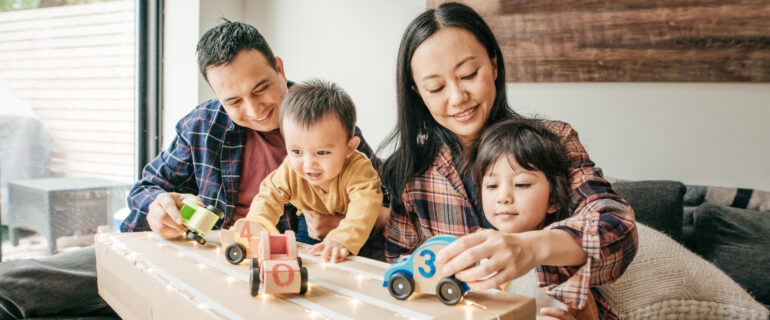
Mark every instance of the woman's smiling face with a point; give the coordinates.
(456, 79)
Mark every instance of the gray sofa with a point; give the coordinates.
(729, 227)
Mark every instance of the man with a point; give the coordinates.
(222, 151)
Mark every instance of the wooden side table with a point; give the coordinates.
(57, 207)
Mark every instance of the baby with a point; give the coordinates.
(523, 172)
(323, 171)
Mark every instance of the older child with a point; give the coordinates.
(522, 174)
(322, 171)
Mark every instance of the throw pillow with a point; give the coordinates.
(736, 240)
(667, 281)
(657, 204)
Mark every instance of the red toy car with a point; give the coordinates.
(277, 265)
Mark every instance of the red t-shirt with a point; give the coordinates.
(263, 152)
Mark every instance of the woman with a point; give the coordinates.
(451, 86)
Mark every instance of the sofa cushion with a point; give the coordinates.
(737, 241)
(667, 281)
(657, 204)
(734, 197)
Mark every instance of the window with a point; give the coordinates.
(67, 109)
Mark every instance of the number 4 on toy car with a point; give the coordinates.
(246, 231)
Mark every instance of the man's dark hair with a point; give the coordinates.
(221, 44)
(308, 102)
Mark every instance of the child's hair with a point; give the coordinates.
(308, 102)
(534, 148)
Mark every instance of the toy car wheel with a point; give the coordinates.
(215, 210)
(235, 253)
(400, 286)
(200, 240)
(299, 261)
(254, 277)
(190, 235)
(303, 278)
(449, 291)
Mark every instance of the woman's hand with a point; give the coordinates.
(508, 255)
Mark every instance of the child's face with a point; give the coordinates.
(514, 199)
(318, 153)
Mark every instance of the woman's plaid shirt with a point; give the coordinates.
(602, 222)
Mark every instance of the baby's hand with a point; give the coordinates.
(330, 248)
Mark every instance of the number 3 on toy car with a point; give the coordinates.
(429, 263)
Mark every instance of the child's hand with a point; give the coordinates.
(330, 248)
(554, 313)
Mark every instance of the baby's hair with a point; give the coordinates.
(308, 102)
(533, 147)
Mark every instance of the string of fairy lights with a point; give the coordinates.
(215, 310)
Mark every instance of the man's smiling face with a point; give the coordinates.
(250, 89)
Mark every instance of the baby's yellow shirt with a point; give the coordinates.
(355, 193)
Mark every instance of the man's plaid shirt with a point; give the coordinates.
(436, 202)
(204, 159)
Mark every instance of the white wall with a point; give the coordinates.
(180, 74)
(351, 42)
(183, 86)
(713, 134)
(698, 133)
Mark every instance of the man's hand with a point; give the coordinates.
(332, 248)
(382, 220)
(163, 214)
(319, 225)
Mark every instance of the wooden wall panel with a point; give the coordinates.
(631, 40)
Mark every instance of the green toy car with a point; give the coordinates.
(199, 220)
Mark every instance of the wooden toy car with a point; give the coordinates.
(420, 273)
(278, 266)
(199, 220)
(242, 239)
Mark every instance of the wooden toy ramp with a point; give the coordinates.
(143, 276)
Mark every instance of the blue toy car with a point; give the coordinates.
(420, 273)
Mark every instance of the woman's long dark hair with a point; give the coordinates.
(415, 123)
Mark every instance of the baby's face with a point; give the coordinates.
(317, 153)
(514, 199)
